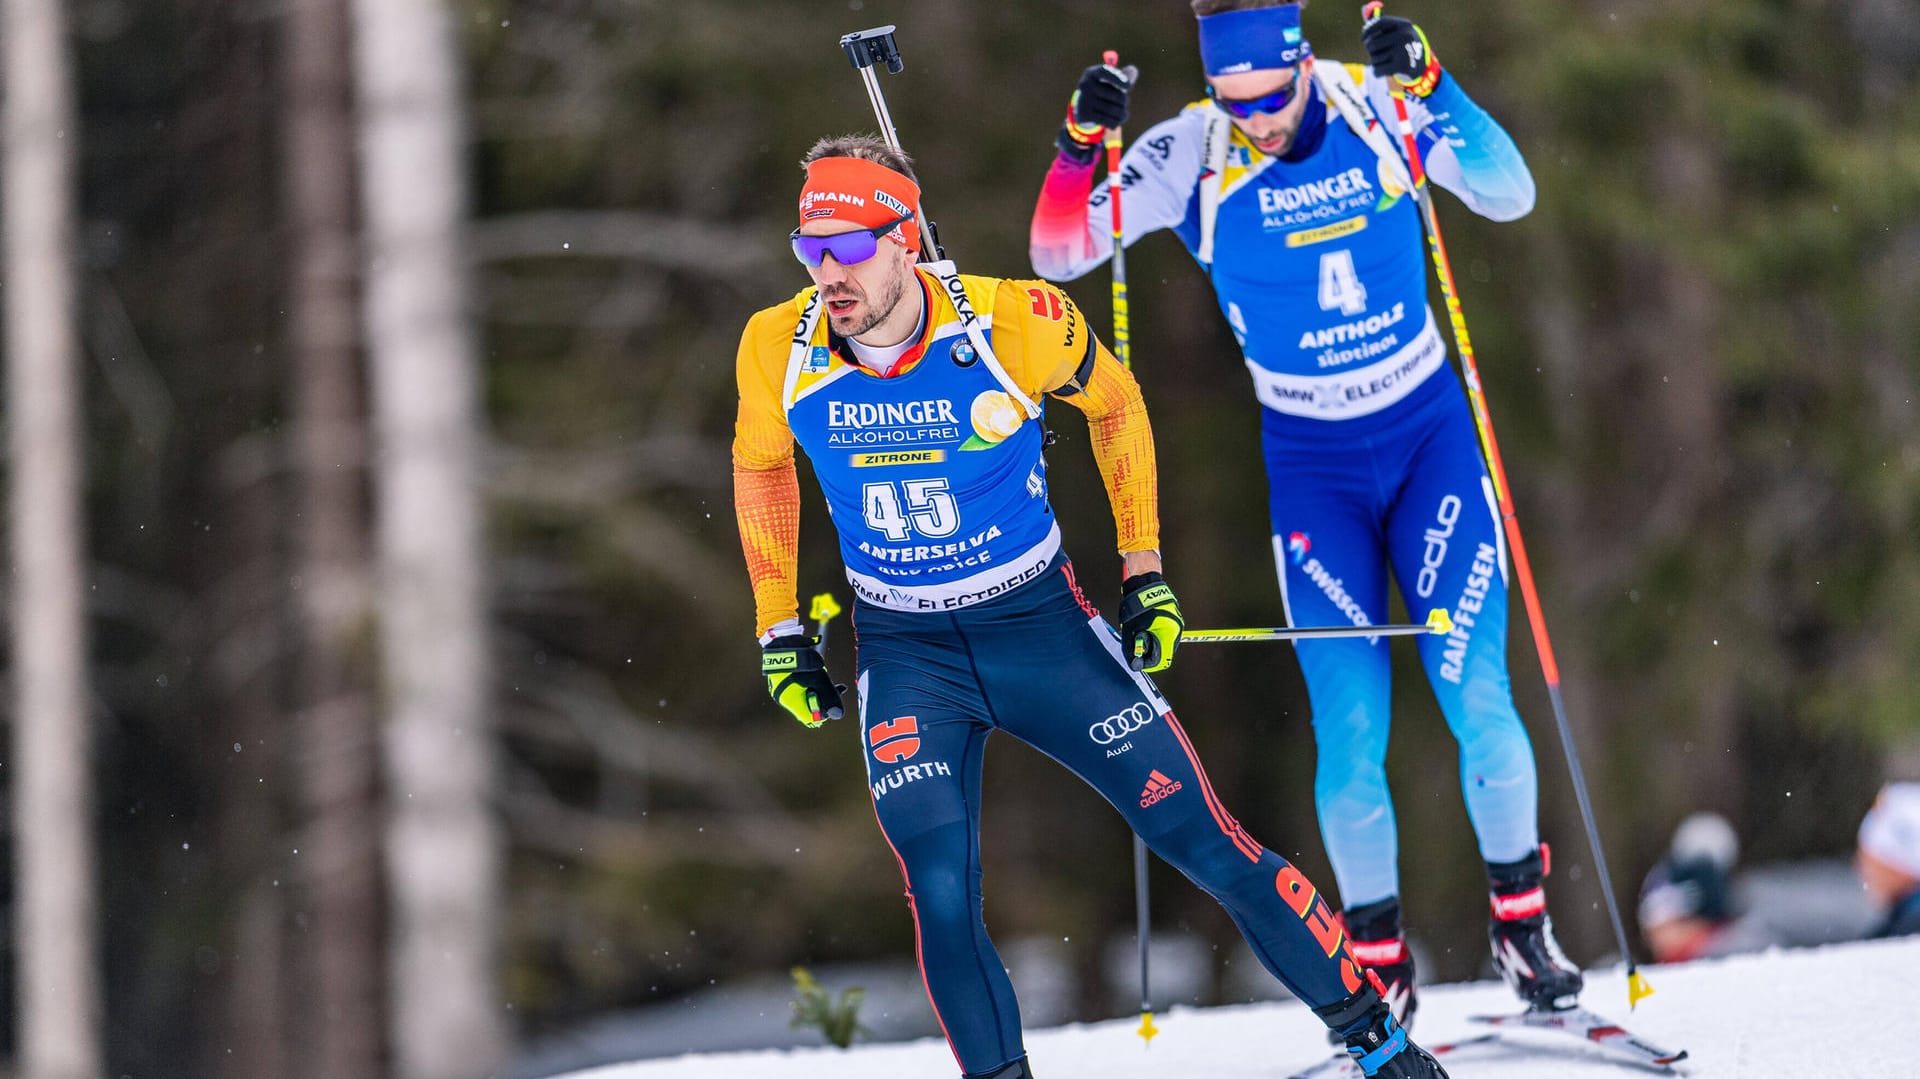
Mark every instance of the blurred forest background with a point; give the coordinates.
(1702, 351)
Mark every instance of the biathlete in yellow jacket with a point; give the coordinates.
(917, 394)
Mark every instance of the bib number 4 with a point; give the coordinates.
(1340, 287)
(928, 509)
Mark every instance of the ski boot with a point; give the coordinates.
(1373, 935)
(1378, 1043)
(1373, 932)
(1521, 935)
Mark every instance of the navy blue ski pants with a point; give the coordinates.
(1041, 664)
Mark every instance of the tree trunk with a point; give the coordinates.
(59, 991)
(442, 846)
(338, 762)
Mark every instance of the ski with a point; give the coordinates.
(1574, 1022)
(1341, 1065)
(1578, 1022)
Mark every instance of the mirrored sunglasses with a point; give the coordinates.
(847, 248)
(1273, 102)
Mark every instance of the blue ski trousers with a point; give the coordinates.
(1406, 489)
(1041, 664)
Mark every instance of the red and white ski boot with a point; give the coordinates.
(1374, 934)
(1521, 934)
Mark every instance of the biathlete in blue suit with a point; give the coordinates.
(1293, 197)
(917, 393)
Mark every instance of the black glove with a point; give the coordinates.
(1150, 623)
(1098, 103)
(798, 681)
(1399, 50)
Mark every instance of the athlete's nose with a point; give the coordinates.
(830, 271)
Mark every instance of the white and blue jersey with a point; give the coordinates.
(1319, 266)
(1317, 259)
(1330, 312)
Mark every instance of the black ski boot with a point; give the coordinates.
(1373, 932)
(1015, 1070)
(1521, 934)
(1377, 1042)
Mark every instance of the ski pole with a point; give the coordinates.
(1437, 623)
(823, 610)
(865, 48)
(1637, 987)
(1122, 350)
(1147, 1029)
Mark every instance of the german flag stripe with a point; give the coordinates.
(919, 955)
(1221, 817)
(1078, 596)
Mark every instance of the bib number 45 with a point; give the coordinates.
(928, 510)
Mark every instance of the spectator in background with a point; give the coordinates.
(1687, 906)
(1888, 858)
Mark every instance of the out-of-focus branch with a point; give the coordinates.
(542, 822)
(677, 243)
(595, 478)
(628, 302)
(618, 738)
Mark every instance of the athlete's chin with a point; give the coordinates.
(852, 324)
(1278, 144)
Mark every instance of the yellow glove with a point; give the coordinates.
(797, 679)
(1150, 623)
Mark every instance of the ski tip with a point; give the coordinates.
(1147, 1029)
(1438, 622)
(1637, 990)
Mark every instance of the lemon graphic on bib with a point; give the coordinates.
(1390, 186)
(996, 416)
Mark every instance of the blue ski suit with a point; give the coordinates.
(1373, 466)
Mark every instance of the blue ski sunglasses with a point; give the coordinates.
(1273, 102)
(847, 248)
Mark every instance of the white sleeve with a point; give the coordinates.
(1462, 148)
(1072, 226)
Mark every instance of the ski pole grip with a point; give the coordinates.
(866, 48)
(1129, 73)
(1368, 12)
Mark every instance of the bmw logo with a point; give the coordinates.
(964, 355)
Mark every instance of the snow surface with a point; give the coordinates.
(1850, 1010)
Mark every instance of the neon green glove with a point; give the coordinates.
(797, 679)
(1150, 623)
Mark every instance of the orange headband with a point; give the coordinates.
(864, 192)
